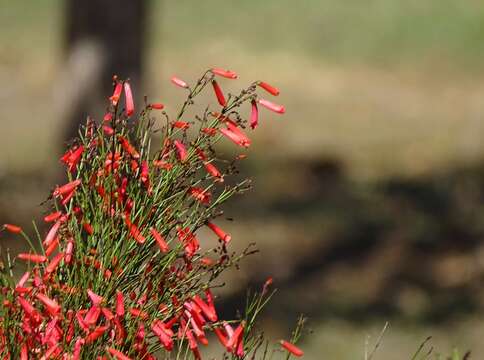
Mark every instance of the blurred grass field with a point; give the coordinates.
(386, 87)
(357, 77)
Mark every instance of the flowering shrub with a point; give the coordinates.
(121, 274)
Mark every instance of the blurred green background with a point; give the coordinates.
(368, 193)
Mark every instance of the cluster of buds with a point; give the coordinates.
(121, 273)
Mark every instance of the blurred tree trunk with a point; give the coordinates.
(102, 38)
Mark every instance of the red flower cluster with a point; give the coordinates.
(121, 264)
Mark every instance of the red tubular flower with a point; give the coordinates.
(66, 188)
(75, 156)
(95, 298)
(212, 170)
(189, 240)
(51, 352)
(202, 195)
(209, 131)
(69, 251)
(51, 234)
(293, 349)
(134, 165)
(138, 313)
(119, 304)
(157, 106)
(66, 155)
(219, 94)
(240, 348)
(107, 314)
(100, 191)
(232, 126)
(207, 310)
(37, 281)
(136, 234)
(23, 290)
(92, 316)
(271, 106)
(238, 137)
(54, 263)
(23, 279)
(235, 337)
(51, 306)
(161, 164)
(270, 89)
(129, 99)
(77, 211)
(224, 73)
(53, 216)
(72, 157)
(254, 115)
(14, 229)
(181, 150)
(108, 130)
(68, 197)
(77, 348)
(107, 274)
(96, 333)
(29, 309)
(52, 247)
(219, 232)
(163, 333)
(24, 352)
(145, 172)
(201, 154)
(209, 297)
(179, 82)
(120, 331)
(207, 261)
(108, 117)
(123, 187)
(234, 133)
(129, 206)
(194, 311)
(128, 147)
(80, 320)
(117, 354)
(111, 159)
(52, 332)
(116, 94)
(267, 283)
(159, 240)
(181, 125)
(88, 228)
(35, 258)
(228, 329)
(192, 343)
(140, 333)
(221, 336)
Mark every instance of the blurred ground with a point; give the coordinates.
(368, 194)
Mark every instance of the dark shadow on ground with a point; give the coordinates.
(406, 247)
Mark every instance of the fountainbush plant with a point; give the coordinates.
(121, 274)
